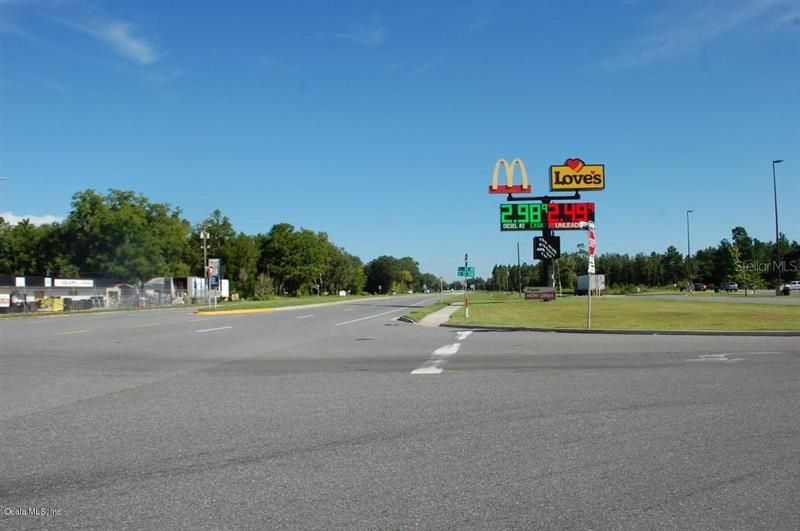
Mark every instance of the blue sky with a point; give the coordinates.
(380, 122)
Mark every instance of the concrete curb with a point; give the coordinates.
(731, 333)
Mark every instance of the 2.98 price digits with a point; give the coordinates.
(523, 216)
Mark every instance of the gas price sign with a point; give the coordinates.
(523, 216)
(540, 216)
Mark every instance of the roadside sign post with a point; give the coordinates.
(592, 248)
(213, 279)
(467, 272)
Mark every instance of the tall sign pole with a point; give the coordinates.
(519, 272)
(592, 249)
(466, 285)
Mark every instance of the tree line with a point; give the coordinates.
(124, 236)
(741, 259)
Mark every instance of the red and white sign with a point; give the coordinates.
(592, 249)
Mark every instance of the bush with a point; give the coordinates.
(264, 288)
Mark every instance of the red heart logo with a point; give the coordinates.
(575, 164)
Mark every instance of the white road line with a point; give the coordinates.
(306, 316)
(750, 353)
(432, 369)
(447, 350)
(435, 365)
(372, 316)
(213, 329)
(715, 357)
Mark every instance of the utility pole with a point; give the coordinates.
(688, 254)
(777, 234)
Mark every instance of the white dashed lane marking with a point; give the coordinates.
(723, 357)
(213, 329)
(371, 316)
(73, 332)
(439, 357)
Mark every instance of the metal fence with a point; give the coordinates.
(21, 300)
(43, 294)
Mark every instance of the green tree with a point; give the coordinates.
(381, 273)
(297, 260)
(125, 236)
(673, 267)
(242, 257)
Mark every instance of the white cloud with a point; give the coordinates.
(434, 63)
(790, 18)
(687, 34)
(372, 35)
(119, 35)
(13, 219)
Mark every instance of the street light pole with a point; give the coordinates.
(777, 234)
(688, 253)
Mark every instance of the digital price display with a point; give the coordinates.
(569, 216)
(540, 216)
(523, 216)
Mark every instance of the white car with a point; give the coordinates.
(792, 285)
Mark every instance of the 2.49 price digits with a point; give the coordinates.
(569, 215)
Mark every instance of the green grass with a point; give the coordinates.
(279, 302)
(628, 313)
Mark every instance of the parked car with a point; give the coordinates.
(699, 286)
(792, 285)
(729, 286)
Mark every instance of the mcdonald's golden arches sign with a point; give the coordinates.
(509, 187)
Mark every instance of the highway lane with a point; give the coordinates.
(286, 420)
(51, 360)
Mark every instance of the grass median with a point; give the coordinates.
(627, 313)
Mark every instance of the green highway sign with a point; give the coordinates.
(468, 272)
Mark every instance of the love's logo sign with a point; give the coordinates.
(576, 175)
(575, 164)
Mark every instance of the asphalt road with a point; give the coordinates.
(342, 417)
